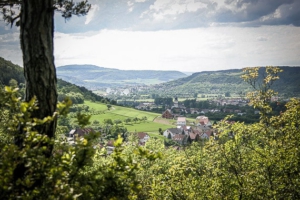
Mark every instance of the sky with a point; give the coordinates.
(181, 35)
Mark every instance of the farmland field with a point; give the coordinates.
(96, 106)
(147, 127)
(122, 113)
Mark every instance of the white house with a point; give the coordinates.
(143, 137)
(202, 118)
(172, 132)
(181, 121)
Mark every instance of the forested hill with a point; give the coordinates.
(11, 71)
(223, 81)
(92, 76)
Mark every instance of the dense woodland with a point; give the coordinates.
(243, 161)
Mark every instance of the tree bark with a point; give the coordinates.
(36, 36)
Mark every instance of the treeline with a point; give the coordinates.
(13, 74)
(193, 103)
(163, 101)
(10, 71)
(78, 94)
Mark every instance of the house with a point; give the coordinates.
(185, 129)
(141, 106)
(205, 135)
(180, 139)
(144, 106)
(202, 126)
(171, 132)
(200, 119)
(193, 136)
(110, 146)
(80, 132)
(181, 121)
(167, 114)
(143, 137)
(194, 111)
(203, 111)
(71, 133)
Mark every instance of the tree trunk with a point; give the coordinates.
(36, 35)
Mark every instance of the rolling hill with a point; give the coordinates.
(206, 82)
(11, 71)
(220, 82)
(91, 76)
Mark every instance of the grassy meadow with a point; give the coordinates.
(122, 113)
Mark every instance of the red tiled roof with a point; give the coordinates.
(83, 131)
(178, 137)
(141, 135)
(208, 133)
(193, 136)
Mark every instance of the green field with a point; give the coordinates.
(147, 127)
(122, 113)
(96, 106)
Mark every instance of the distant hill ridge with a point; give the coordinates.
(230, 81)
(200, 82)
(11, 71)
(78, 67)
(93, 76)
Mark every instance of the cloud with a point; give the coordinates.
(177, 34)
(153, 15)
(10, 44)
(210, 48)
(262, 39)
(91, 14)
(285, 14)
(253, 12)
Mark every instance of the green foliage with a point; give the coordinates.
(243, 161)
(163, 101)
(255, 161)
(227, 94)
(83, 119)
(34, 170)
(76, 98)
(108, 121)
(10, 71)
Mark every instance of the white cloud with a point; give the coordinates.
(175, 7)
(213, 48)
(218, 46)
(94, 9)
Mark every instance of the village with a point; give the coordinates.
(184, 132)
(180, 135)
